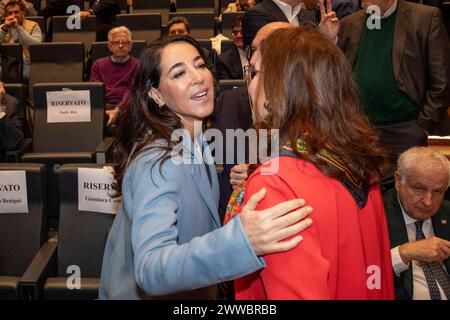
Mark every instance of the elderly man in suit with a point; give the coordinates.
(11, 133)
(402, 67)
(419, 225)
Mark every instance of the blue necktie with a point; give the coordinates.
(433, 271)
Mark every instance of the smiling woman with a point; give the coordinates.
(167, 236)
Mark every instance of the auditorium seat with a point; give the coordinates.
(11, 62)
(195, 5)
(144, 26)
(68, 142)
(62, 34)
(41, 22)
(202, 23)
(21, 234)
(231, 84)
(153, 6)
(100, 49)
(207, 44)
(81, 241)
(55, 63)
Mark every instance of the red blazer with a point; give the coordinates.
(345, 254)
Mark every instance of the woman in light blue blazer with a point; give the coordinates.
(167, 237)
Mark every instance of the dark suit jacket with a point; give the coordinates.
(11, 127)
(267, 12)
(231, 111)
(420, 59)
(398, 235)
(228, 65)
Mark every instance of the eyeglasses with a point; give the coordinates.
(120, 43)
(249, 73)
(10, 13)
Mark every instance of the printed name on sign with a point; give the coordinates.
(95, 191)
(13, 192)
(68, 106)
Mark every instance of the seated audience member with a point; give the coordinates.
(17, 29)
(29, 7)
(328, 154)
(231, 62)
(180, 26)
(116, 71)
(11, 132)
(239, 5)
(419, 225)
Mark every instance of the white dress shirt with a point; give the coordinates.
(420, 286)
(290, 12)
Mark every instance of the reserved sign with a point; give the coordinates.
(13, 192)
(68, 106)
(95, 190)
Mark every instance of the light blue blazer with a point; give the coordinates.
(167, 236)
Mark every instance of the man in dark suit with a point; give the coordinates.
(11, 132)
(419, 225)
(230, 63)
(402, 69)
(291, 11)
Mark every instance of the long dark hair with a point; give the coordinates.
(313, 95)
(143, 121)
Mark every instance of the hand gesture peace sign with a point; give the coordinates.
(329, 23)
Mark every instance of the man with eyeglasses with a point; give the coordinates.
(116, 71)
(230, 63)
(419, 225)
(17, 29)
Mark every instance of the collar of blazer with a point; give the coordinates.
(277, 13)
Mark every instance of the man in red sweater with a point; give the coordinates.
(116, 71)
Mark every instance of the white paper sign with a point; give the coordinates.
(95, 190)
(13, 192)
(68, 106)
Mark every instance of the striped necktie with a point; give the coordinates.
(433, 271)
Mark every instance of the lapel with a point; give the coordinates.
(209, 194)
(354, 38)
(274, 10)
(398, 235)
(400, 33)
(441, 226)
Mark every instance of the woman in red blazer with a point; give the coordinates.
(302, 85)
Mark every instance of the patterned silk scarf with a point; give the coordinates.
(359, 190)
